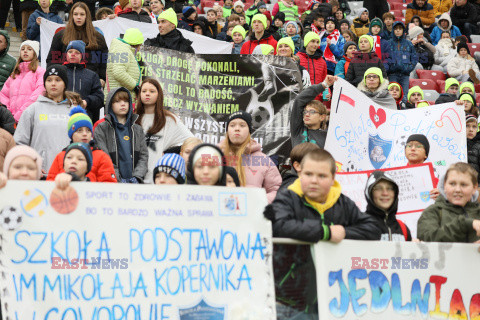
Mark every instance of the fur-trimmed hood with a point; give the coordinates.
(380, 95)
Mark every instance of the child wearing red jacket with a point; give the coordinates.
(80, 129)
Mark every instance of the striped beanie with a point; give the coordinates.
(172, 164)
(78, 119)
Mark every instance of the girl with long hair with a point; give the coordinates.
(25, 83)
(162, 128)
(254, 168)
(80, 27)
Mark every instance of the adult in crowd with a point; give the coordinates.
(80, 27)
(441, 6)
(424, 10)
(425, 50)
(465, 16)
(17, 16)
(308, 115)
(375, 87)
(135, 12)
(169, 37)
(241, 150)
(286, 48)
(258, 35)
(7, 62)
(444, 25)
(27, 7)
(127, 73)
(162, 128)
(382, 192)
(455, 215)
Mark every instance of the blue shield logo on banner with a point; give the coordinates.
(425, 196)
(202, 311)
(378, 150)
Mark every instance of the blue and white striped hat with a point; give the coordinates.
(172, 164)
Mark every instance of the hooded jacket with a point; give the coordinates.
(125, 71)
(44, 118)
(6, 60)
(380, 95)
(143, 16)
(252, 43)
(125, 143)
(446, 222)
(95, 60)
(401, 57)
(300, 133)
(33, 29)
(437, 31)
(222, 180)
(466, 14)
(360, 63)
(360, 27)
(400, 103)
(473, 152)
(102, 166)
(173, 40)
(386, 220)
(425, 13)
(441, 6)
(19, 93)
(260, 171)
(340, 67)
(315, 65)
(86, 83)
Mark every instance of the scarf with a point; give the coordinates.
(328, 54)
(376, 45)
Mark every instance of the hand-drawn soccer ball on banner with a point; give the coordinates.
(10, 218)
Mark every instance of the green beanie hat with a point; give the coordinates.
(415, 89)
(466, 97)
(169, 15)
(373, 70)
(450, 82)
(262, 18)
(394, 84)
(240, 30)
(263, 49)
(369, 38)
(468, 85)
(309, 37)
(288, 41)
(422, 104)
(133, 37)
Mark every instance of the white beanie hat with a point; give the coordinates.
(35, 45)
(238, 3)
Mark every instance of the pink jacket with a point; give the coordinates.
(260, 171)
(17, 94)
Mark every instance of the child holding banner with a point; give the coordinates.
(77, 163)
(396, 91)
(375, 87)
(455, 215)
(381, 193)
(415, 94)
(21, 163)
(170, 169)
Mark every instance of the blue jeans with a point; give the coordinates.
(403, 80)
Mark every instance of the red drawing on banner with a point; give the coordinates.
(378, 117)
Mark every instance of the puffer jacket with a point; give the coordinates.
(315, 65)
(6, 60)
(6, 143)
(17, 94)
(102, 166)
(380, 96)
(173, 40)
(400, 55)
(105, 137)
(360, 63)
(252, 43)
(437, 31)
(441, 6)
(445, 222)
(33, 29)
(125, 72)
(386, 220)
(260, 171)
(473, 151)
(359, 27)
(444, 52)
(457, 65)
(425, 13)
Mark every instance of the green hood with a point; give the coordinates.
(376, 21)
(5, 34)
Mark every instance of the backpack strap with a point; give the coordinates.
(404, 229)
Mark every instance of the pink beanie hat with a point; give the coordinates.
(18, 151)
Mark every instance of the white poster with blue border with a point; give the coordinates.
(110, 251)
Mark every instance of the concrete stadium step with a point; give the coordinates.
(15, 42)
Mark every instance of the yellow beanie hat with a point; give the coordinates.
(373, 70)
(262, 18)
(288, 41)
(169, 15)
(133, 37)
(468, 85)
(415, 89)
(369, 38)
(309, 37)
(450, 82)
(240, 30)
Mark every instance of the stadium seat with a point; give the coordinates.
(425, 84)
(474, 47)
(394, 1)
(475, 38)
(431, 95)
(477, 88)
(397, 13)
(355, 5)
(441, 86)
(398, 6)
(477, 98)
(430, 74)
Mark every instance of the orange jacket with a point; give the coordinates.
(426, 13)
(102, 167)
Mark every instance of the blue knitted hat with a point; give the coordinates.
(77, 45)
(172, 164)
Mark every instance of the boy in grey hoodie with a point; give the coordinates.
(121, 138)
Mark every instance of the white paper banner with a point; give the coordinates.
(148, 252)
(388, 280)
(364, 136)
(414, 183)
(113, 28)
